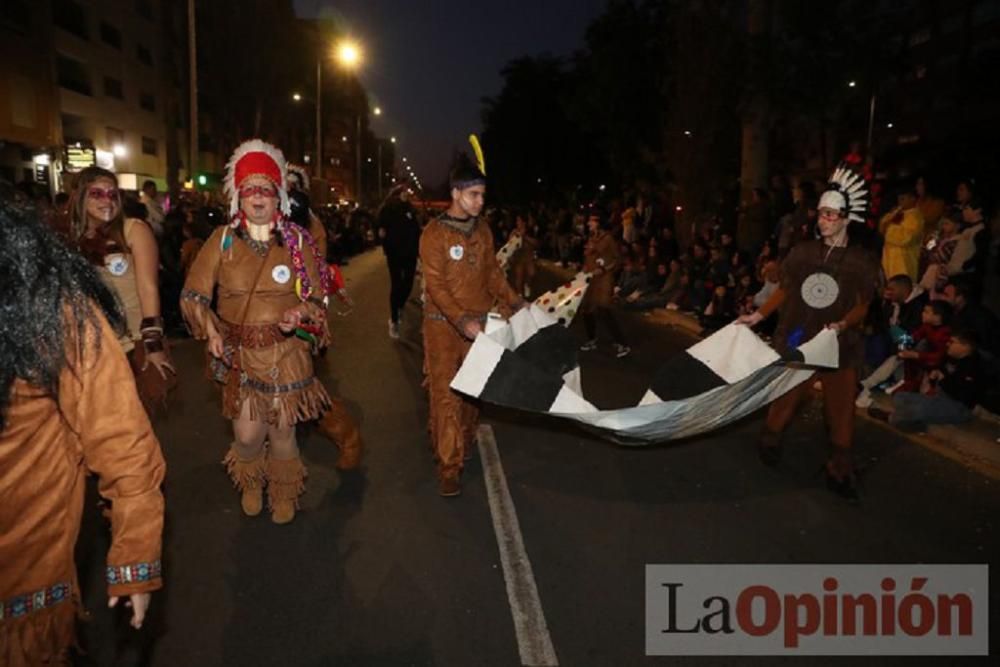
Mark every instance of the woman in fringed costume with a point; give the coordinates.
(60, 369)
(270, 319)
(126, 257)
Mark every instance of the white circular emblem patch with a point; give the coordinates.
(456, 252)
(820, 290)
(281, 274)
(116, 263)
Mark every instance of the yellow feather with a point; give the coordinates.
(474, 140)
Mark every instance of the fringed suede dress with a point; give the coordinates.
(254, 284)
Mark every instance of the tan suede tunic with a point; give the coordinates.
(46, 450)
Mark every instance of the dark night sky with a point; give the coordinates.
(428, 64)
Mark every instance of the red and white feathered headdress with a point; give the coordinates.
(256, 158)
(299, 173)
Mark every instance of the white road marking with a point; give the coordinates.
(533, 640)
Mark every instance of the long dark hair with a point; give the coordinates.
(48, 291)
(115, 230)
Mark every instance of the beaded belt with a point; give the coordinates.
(265, 388)
(253, 335)
(22, 605)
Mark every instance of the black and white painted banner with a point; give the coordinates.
(529, 364)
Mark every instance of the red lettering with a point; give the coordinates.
(945, 605)
(889, 608)
(830, 607)
(794, 625)
(744, 610)
(869, 611)
(920, 602)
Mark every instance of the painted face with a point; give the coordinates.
(259, 200)
(102, 200)
(831, 223)
(470, 199)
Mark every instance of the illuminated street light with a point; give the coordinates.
(296, 97)
(889, 125)
(392, 139)
(404, 159)
(344, 138)
(852, 84)
(349, 54)
(377, 111)
(119, 150)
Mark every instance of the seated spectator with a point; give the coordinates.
(970, 315)
(720, 310)
(767, 254)
(668, 244)
(681, 298)
(972, 252)
(718, 267)
(631, 280)
(743, 293)
(658, 290)
(938, 254)
(919, 351)
(956, 388)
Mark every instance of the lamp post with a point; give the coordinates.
(349, 57)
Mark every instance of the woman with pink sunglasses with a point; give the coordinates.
(125, 253)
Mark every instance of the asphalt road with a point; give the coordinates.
(379, 570)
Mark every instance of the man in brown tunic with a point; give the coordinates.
(70, 407)
(825, 283)
(462, 283)
(601, 259)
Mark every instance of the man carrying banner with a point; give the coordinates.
(463, 282)
(827, 282)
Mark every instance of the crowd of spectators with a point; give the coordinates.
(932, 343)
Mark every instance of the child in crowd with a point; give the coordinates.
(955, 389)
(930, 343)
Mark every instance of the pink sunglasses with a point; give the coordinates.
(100, 194)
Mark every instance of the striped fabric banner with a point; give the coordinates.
(529, 364)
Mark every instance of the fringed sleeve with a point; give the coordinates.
(196, 297)
(118, 444)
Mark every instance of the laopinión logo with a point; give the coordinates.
(817, 610)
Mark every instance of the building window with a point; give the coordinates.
(147, 101)
(144, 8)
(72, 75)
(113, 88)
(143, 54)
(148, 146)
(111, 36)
(15, 16)
(71, 17)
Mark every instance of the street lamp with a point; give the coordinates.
(296, 97)
(392, 139)
(349, 57)
(377, 111)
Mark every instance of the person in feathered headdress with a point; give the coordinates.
(825, 283)
(270, 317)
(462, 283)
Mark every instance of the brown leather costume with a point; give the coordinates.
(462, 282)
(601, 252)
(46, 452)
(262, 365)
(856, 273)
(522, 264)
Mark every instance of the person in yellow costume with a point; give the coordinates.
(902, 228)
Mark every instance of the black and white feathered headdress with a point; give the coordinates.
(846, 192)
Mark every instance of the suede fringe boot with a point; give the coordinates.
(248, 478)
(338, 425)
(285, 483)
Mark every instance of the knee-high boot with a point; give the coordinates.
(338, 425)
(286, 481)
(248, 478)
